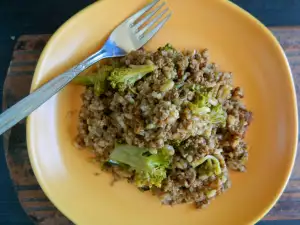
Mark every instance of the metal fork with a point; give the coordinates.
(130, 35)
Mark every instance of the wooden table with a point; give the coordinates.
(32, 198)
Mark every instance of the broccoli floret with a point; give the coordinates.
(218, 115)
(201, 105)
(122, 78)
(208, 108)
(167, 47)
(98, 79)
(149, 165)
(208, 164)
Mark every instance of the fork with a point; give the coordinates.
(130, 35)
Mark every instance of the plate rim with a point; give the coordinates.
(238, 10)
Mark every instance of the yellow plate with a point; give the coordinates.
(238, 43)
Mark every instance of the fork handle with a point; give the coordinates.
(27, 105)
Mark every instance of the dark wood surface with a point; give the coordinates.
(16, 86)
(32, 198)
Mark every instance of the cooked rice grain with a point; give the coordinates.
(158, 115)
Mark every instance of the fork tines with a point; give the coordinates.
(148, 21)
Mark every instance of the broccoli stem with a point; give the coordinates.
(98, 80)
(149, 165)
(85, 80)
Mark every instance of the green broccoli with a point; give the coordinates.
(218, 115)
(86, 80)
(167, 47)
(208, 108)
(122, 78)
(149, 165)
(208, 164)
(97, 79)
(201, 105)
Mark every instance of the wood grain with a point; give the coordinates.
(16, 86)
(32, 198)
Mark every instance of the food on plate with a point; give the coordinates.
(169, 122)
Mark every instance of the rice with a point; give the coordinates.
(155, 112)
